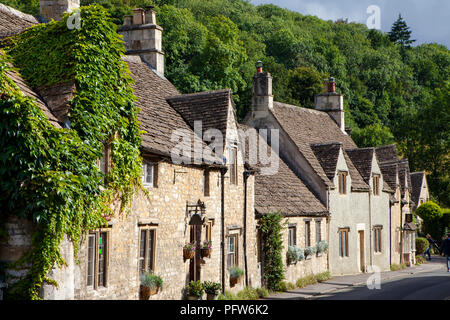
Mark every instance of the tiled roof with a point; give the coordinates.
(362, 159)
(387, 153)
(211, 108)
(416, 185)
(390, 171)
(157, 118)
(327, 154)
(284, 191)
(403, 167)
(26, 90)
(56, 96)
(13, 21)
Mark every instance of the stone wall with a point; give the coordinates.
(314, 264)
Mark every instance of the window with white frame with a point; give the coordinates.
(149, 173)
(292, 240)
(97, 264)
(318, 231)
(377, 239)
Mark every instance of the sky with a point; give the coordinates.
(427, 19)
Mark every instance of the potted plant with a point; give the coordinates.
(309, 251)
(206, 249)
(212, 289)
(235, 275)
(194, 290)
(189, 250)
(150, 285)
(321, 247)
(292, 257)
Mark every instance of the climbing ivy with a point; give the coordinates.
(48, 174)
(272, 226)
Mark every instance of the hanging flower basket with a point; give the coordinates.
(188, 254)
(234, 281)
(189, 250)
(206, 253)
(146, 292)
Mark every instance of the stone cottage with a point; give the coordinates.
(190, 199)
(403, 230)
(419, 189)
(344, 181)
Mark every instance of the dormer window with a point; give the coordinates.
(376, 184)
(149, 173)
(342, 182)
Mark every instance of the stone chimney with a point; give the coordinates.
(262, 98)
(54, 9)
(332, 103)
(143, 37)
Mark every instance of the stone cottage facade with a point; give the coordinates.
(346, 181)
(188, 200)
(403, 230)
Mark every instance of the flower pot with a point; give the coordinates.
(206, 253)
(234, 281)
(192, 297)
(146, 292)
(188, 254)
(211, 296)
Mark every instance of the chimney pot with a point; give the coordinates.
(54, 9)
(259, 66)
(138, 16)
(127, 20)
(332, 85)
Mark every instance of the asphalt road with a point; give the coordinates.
(433, 285)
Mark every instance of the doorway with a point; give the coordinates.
(195, 235)
(362, 260)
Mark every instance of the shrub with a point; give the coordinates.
(432, 215)
(419, 260)
(228, 296)
(285, 286)
(212, 287)
(271, 229)
(421, 245)
(195, 288)
(262, 292)
(396, 267)
(236, 272)
(151, 280)
(247, 293)
(306, 281)
(323, 276)
(322, 247)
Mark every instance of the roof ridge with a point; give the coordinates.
(199, 94)
(17, 13)
(300, 108)
(325, 144)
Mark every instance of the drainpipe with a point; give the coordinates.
(328, 227)
(401, 231)
(370, 228)
(246, 175)
(223, 171)
(390, 232)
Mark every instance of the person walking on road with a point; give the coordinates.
(446, 250)
(431, 242)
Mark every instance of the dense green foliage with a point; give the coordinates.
(393, 92)
(50, 175)
(421, 245)
(271, 228)
(432, 215)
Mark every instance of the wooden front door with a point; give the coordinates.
(362, 261)
(195, 235)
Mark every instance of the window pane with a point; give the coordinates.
(150, 255)
(144, 172)
(102, 259)
(91, 247)
(149, 177)
(318, 232)
(142, 251)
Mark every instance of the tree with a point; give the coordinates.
(400, 32)
(431, 214)
(304, 83)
